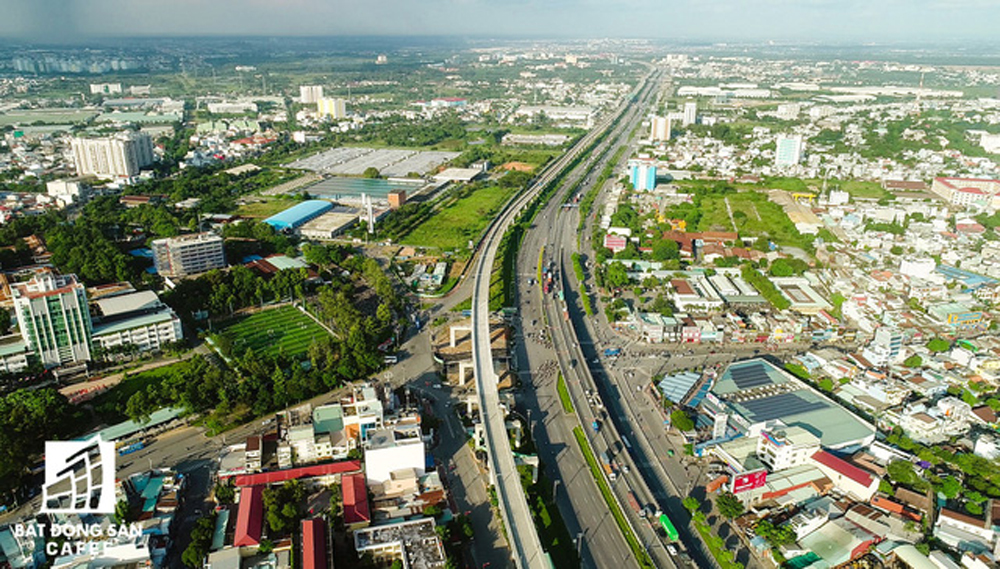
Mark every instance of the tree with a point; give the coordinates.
(201, 541)
(681, 420)
(370, 172)
(225, 493)
(896, 250)
(914, 361)
(666, 249)
(729, 505)
(901, 471)
(951, 487)
(938, 345)
(691, 504)
(5, 321)
(617, 276)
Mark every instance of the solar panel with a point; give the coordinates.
(781, 405)
(749, 376)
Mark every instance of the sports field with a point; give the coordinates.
(284, 330)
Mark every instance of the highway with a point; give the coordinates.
(525, 544)
(624, 411)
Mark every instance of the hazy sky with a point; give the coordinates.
(720, 20)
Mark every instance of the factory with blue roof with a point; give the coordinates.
(298, 215)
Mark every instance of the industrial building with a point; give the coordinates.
(188, 254)
(754, 395)
(298, 215)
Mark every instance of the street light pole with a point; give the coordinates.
(579, 545)
(555, 484)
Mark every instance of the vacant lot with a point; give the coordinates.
(455, 224)
(753, 215)
(284, 330)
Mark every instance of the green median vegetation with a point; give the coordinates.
(638, 552)
(567, 403)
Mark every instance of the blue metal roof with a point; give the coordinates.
(298, 214)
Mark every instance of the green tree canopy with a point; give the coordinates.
(729, 505)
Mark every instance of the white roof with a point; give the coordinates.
(128, 302)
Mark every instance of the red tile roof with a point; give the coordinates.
(303, 472)
(355, 499)
(250, 519)
(844, 468)
(313, 544)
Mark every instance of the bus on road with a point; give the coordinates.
(668, 527)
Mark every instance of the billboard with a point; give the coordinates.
(749, 481)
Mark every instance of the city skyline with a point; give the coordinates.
(65, 21)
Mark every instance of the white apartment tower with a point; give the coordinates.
(188, 254)
(659, 129)
(54, 318)
(309, 94)
(118, 156)
(788, 151)
(690, 113)
(333, 108)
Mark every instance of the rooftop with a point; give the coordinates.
(759, 392)
(298, 214)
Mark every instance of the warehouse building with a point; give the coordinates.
(754, 395)
(298, 215)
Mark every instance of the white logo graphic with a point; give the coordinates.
(79, 477)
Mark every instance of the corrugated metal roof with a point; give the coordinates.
(298, 214)
(250, 518)
(355, 499)
(313, 544)
(302, 472)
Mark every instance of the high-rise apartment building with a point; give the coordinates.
(310, 94)
(118, 156)
(659, 129)
(642, 174)
(788, 151)
(690, 113)
(54, 318)
(188, 254)
(333, 108)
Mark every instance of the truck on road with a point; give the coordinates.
(612, 352)
(609, 467)
(596, 425)
(634, 503)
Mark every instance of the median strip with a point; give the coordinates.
(567, 403)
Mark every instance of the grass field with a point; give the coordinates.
(264, 208)
(754, 215)
(110, 405)
(454, 225)
(284, 330)
(47, 116)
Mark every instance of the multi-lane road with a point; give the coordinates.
(525, 544)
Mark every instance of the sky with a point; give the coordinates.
(914, 21)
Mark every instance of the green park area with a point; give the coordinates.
(284, 330)
(111, 406)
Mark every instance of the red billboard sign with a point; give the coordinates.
(749, 481)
